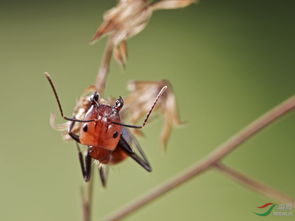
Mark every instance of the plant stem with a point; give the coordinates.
(254, 185)
(86, 196)
(103, 70)
(215, 156)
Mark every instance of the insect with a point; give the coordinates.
(108, 139)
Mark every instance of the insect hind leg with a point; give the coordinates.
(141, 160)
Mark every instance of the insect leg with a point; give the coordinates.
(81, 160)
(72, 135)
(85, 164)
(141, 160)
(88, 162)
(103, 174)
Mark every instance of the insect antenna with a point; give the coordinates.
(148, 114)
(58, 101)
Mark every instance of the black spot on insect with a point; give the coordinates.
(85, 128)
(115, 135)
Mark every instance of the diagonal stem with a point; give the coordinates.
(215, 156)
(254, 185)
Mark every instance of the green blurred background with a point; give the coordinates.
(229, 62)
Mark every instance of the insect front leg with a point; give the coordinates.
(72, 135)
(85, 163)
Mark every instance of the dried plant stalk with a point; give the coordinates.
(104, 67)
(254, 185)
(214, 157)
(86, 196)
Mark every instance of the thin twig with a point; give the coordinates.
(86, 196)
(104, 67)
(254, 185)
(219, 153)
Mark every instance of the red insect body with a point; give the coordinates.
(102, 131)
(101, 135)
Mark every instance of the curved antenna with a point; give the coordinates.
(148, 114)
(58, 101)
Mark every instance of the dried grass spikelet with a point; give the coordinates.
(128, 18)
(139, 102)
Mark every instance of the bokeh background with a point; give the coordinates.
(229, 62)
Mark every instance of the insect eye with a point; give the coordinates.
(115, 135)
(94, 97)
(85, 127)
(119, 103)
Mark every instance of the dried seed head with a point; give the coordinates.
(140, 99)
(128, 18)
